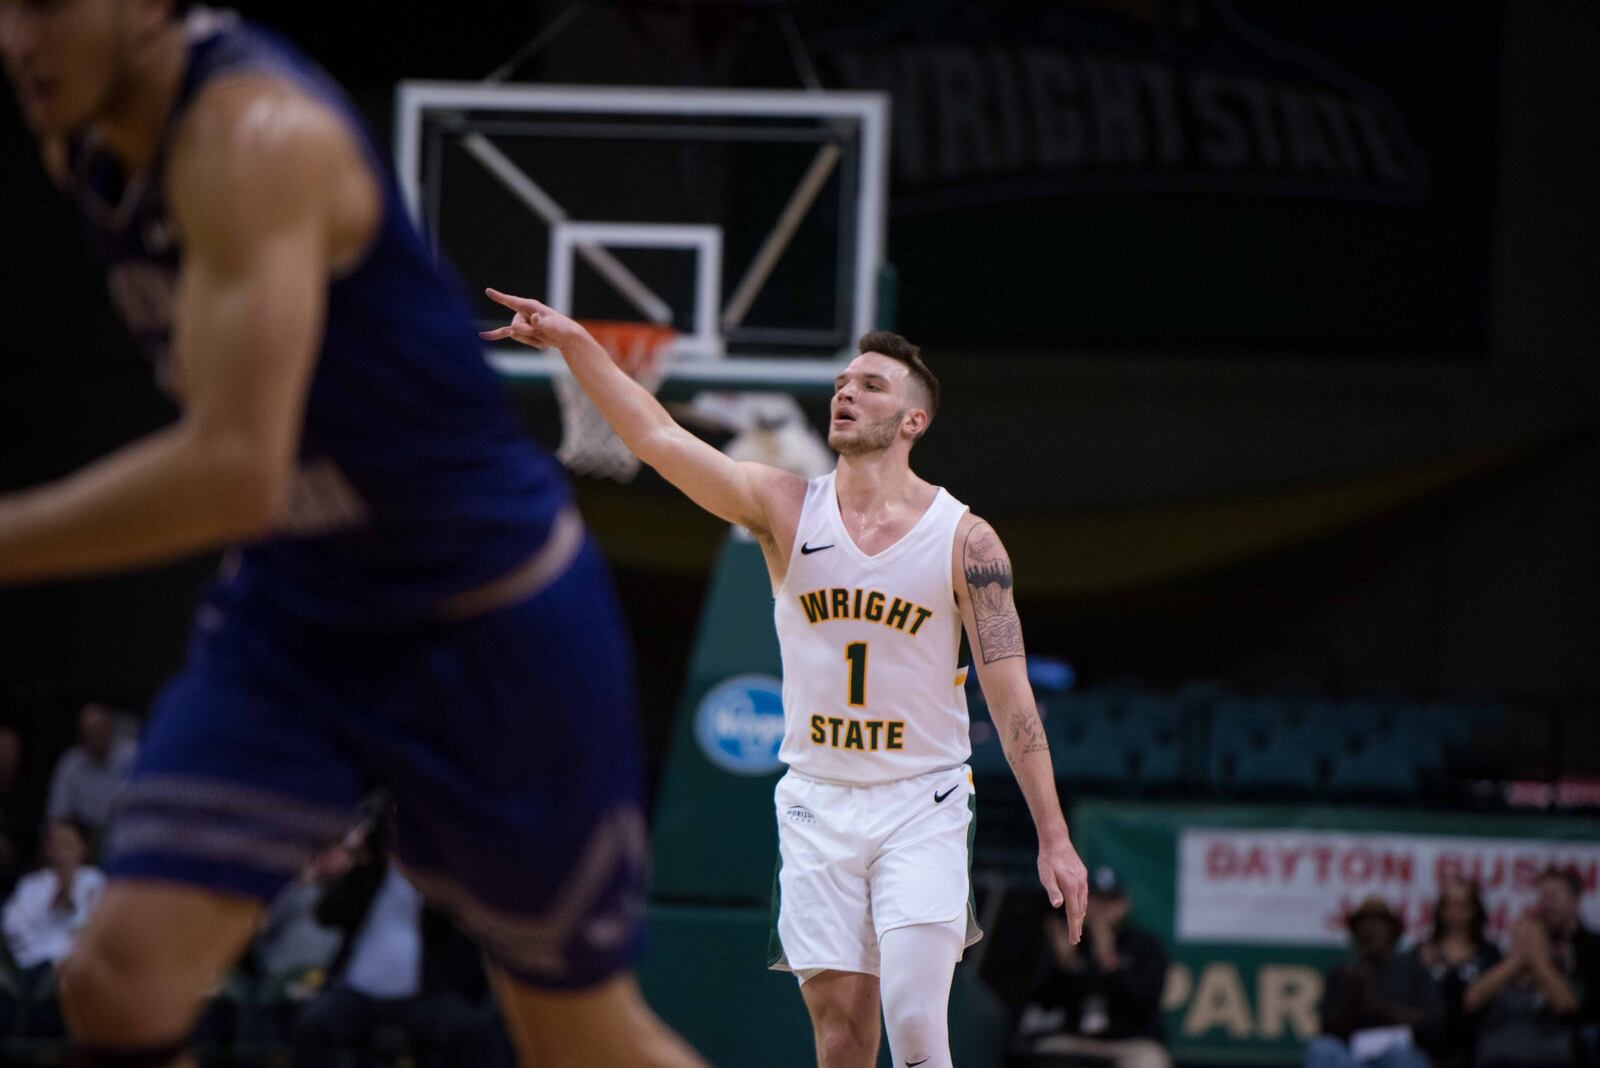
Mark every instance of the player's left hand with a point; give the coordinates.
(1066, 880)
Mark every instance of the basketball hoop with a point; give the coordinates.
(588, 444)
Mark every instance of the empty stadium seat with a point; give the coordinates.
(1374, 769)
(1283, 764)
(1127, 737)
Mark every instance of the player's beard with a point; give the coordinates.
(868, 438)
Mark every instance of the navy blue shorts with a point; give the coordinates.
(509, 742)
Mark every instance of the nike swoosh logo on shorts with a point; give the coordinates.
(913, 1064)
(938, 797)
(807, 550)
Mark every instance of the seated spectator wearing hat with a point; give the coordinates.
(1380, 1007)
(1456, 953)
(1102, 997)
(1538, 1002)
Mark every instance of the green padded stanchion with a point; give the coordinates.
(715, 834)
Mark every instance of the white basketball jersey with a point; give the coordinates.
(870, 647)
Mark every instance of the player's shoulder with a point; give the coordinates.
(777, 480)
(254, 126)
(782, 494)
(974, 526)
(775, 499)
(975, 542)
(256, 117)
(253, 151)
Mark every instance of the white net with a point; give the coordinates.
(588, 444)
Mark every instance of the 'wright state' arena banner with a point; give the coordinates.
(1314, 176)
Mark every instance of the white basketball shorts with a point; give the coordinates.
(856, 861)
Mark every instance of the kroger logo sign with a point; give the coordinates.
(739, 724)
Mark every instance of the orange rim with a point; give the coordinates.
(634, 345)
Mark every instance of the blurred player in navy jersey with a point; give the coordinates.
(411, 600)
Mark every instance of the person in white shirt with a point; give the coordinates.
(44, 912)
(875, 573)
(401, 966)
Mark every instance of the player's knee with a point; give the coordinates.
(912, 1027)
(841, 1044)
(916, 1033)
(106, 996)
(85, 979)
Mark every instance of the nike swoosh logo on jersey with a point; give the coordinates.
(807, 550)
(913, 1064)
(938, 797)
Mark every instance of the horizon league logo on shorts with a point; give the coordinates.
(739, 724)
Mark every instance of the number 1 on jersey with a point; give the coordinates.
(856, 653)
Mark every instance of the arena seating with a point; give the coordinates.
(1127, 739)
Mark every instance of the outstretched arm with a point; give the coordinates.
(755, 496)
(1486, 987)
(983, 579)
(1533, 946)
(247, 182)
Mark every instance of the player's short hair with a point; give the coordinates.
(898, 348)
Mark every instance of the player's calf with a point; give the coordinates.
(118, 1015)
(609, 1025)
(843, 1046)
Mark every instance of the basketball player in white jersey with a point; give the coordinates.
(872, 568)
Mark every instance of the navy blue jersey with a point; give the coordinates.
(414, 480)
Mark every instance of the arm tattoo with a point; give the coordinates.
(1027, 736)
(989, 584)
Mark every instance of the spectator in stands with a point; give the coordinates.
(1102, 997)
(87, 776)
(1456, 953)
(292, 951)
(1380, 1007)
(290, 939)
(44, 912)
(1560, 895)
(13, 809)
(1538, 1003)
(403, 969)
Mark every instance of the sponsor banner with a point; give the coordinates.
(1251, 899)
(739, 724)
(1297, 887)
